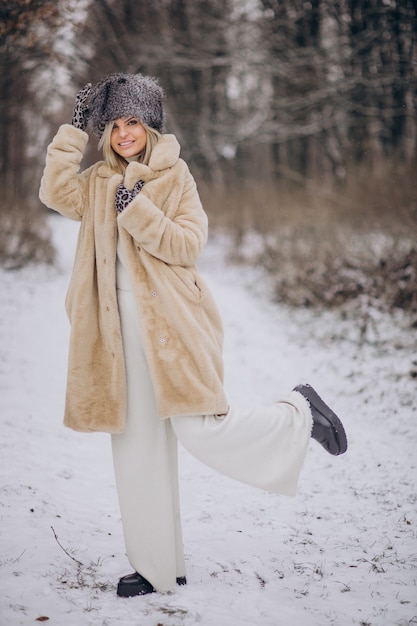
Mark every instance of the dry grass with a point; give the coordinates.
(343, 266)
(321, 247)
(24, 238)
(327, 248)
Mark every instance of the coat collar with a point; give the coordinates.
(165, 154)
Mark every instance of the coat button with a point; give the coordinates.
(154, 293)
(162, 340)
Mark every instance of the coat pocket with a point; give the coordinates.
(191, 279)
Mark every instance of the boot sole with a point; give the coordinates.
(313, 397)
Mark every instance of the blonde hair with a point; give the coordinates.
(118, 163)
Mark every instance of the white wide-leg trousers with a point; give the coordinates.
(264, 447)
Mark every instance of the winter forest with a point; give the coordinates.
(298, 120)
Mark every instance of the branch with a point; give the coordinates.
(66, 551)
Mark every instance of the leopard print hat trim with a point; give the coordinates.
(121, 95)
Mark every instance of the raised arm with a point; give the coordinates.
(63, 188)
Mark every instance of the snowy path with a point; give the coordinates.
(342, 552)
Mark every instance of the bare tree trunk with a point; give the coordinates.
(23, 234)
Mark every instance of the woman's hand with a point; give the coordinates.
(124, 196)
(80, 113)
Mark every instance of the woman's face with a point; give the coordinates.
(128, 137)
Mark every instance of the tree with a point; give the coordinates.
(345, 80)
(22, 235)
(257, 91)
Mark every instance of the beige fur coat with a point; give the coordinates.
(163, 232)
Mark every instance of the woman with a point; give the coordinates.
(145, 358)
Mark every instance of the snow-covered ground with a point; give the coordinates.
(342, 552)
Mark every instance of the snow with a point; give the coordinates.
(342, 552)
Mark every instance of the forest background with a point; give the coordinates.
(297, 119)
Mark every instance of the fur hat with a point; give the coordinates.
(121, 95)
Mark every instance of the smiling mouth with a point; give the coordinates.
(124, 144)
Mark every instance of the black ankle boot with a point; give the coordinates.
(136, 585)
(327, 428)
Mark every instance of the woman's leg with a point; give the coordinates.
(264, 446)
(146, 469)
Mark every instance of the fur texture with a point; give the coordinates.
(121, 95)
(163, 232)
